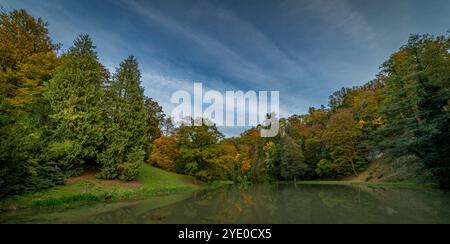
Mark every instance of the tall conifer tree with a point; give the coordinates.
(74, 95)
(127, 124)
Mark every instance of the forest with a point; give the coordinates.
(62, 112)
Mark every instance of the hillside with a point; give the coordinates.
(402, 169)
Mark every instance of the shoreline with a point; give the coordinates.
(81, 191)
(87, 190)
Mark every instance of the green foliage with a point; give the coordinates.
(270, 159)
(416, 103)
(341, 99)
(361, 165)
(200, 154)
(27, 61)
(60, 114)
(74, 95)
(326, 168)
(67, 200)
(342, 138)
(243, 180)
(155, 119)
(88, 190)
(126, 122)
(314, 151)
(293, 164)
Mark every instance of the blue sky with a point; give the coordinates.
(306, 49)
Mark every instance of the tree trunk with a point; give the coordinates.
(353, 167)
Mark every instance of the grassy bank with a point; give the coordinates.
(151, 182)
(87, 189)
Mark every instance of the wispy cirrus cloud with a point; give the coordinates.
(306, 49)
(232, 54)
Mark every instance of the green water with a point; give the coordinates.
(261, 204)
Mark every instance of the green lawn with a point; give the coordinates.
(154, 179)
(87, 189)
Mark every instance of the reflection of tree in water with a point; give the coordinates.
(413, 205)
(347, 204)
(277, 203)
(225, 205)
(118, 216)
(308, 204)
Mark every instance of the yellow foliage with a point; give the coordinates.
(164, 153)
(399, 57)
(246, 165)
(237, 157)
(378, 121)
(361, 124)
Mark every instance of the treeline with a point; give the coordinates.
(403, 113)
(63, 113)
(322, 144)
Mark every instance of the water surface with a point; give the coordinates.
(280, 203)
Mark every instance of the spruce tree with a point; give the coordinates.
(126, 125)
(74, 94)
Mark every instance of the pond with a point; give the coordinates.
(260, 204)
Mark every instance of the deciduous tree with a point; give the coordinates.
(342, 137)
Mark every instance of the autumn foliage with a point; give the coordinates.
(164, 153)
